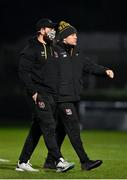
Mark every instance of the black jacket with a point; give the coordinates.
(72, 66)
(38, 68)
(55, 70)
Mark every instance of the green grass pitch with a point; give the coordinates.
(110, 146)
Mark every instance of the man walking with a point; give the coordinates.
(37, 71)
(72, 66)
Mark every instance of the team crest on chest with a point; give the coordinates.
(63, 54)
(77, 54)
(42, 53)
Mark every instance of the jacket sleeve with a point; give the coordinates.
(26, 63)
(93, 68)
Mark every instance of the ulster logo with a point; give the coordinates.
(68, 111)
(42, 53)
(41, 104)
(64, 54)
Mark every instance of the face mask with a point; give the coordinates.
(51, 34)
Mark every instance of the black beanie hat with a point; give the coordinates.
(65, 29)
(45, 22)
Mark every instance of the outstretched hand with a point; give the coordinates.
(110, 73)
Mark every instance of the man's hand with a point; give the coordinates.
(110, 73)
(34, 97)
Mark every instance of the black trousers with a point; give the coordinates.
(68, 123)
(43, 123)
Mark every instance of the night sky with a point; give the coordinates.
(19, 17)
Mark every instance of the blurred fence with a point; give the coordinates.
(103, 115)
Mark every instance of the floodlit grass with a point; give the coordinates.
(110, 146)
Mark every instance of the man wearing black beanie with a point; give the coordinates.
(71, 68)
(64, 30)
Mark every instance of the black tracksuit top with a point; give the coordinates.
(55, 70)
(38, 68)
(72, 66)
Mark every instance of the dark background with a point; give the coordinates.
(90, 17)
(18, 17)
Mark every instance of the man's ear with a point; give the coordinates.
(42, 31)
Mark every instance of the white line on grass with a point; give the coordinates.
(4, 160)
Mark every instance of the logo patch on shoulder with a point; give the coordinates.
(68, 111)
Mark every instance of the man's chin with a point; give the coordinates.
(48, 41)
(74, 44)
